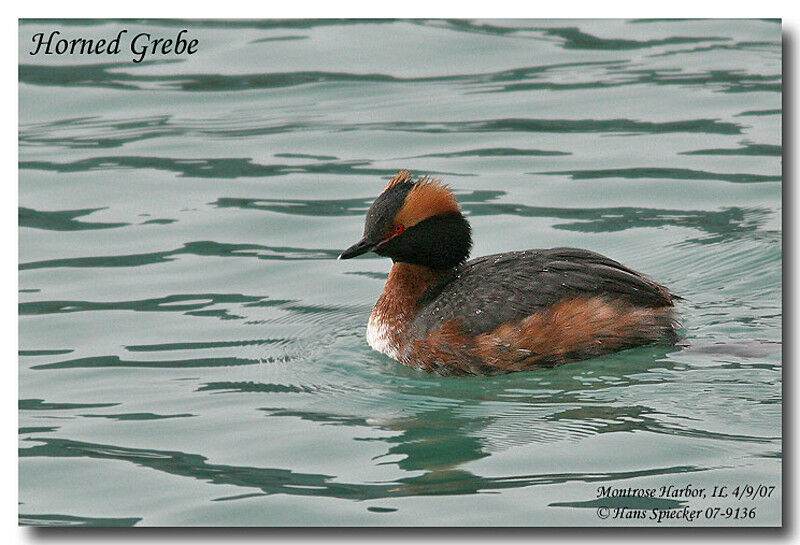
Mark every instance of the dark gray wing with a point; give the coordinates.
(488, 291)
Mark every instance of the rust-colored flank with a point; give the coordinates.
(572, 330)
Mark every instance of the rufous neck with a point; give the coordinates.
(404, 287)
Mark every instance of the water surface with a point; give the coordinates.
(191, 353)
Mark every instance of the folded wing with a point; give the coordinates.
(487, 292)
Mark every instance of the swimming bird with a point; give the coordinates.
(505, 312)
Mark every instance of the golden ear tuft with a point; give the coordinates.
(400, 177)
(429, 197)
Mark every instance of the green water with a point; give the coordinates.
(191, 353)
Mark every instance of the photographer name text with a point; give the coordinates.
(714, 503)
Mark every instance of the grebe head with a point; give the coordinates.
(415, 221)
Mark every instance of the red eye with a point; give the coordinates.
(399, 228)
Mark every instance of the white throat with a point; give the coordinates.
(379, 336)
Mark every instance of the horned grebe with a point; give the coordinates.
(498, 313)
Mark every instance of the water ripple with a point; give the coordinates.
(747, 149)
(662, 173)
(205, 248)
(116, 362)
(109, 133)
(54, 520)
(169, 303)
(62, 220)
(286, 481)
